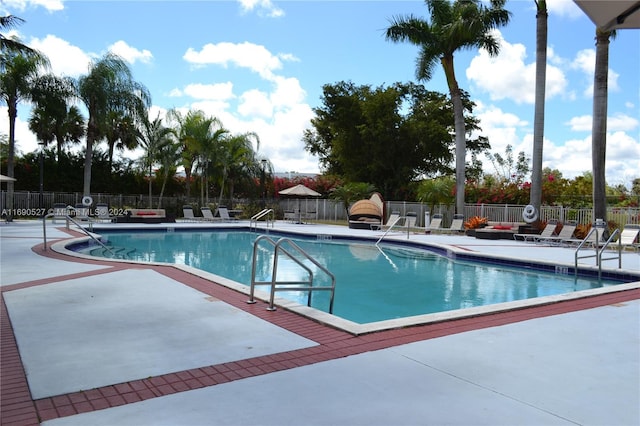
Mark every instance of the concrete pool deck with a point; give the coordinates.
(91, 342)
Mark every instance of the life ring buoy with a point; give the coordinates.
(87, 201)
(530, 214)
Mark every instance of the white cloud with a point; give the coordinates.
(585, 61)
(617, 122)
(130, 54)
(244, 55)
(21, 5)
(255, 103)
(214, 92)
(65, 58)
(263, 7)
(509, 76)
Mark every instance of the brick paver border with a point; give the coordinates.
(17, 407)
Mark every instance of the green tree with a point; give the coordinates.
(120, 132)
(12, 44)
(237, 160)
(538, 120)
(108, 86)
(153, 137)
(462, 24)
(509, 169)
(351, 192)
(388, 136)
(53, 118)
(436, 191)
(16, 81)
(169, 156)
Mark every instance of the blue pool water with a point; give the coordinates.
(371, 284)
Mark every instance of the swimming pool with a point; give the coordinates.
(372, 284)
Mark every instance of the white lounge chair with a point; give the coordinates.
(207, 214)
(187, 214)
(102, 213)
(547, 232)
(436, 223)
(457, 224)
(82, 212)
(223, 212)
(565, 234)
(394, 219)
(629, 237)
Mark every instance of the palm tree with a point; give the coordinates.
(108, 86)
(120, 132)
(599, 124)
(209, 148)
(153, 137)
(169, 156)
(538, 121)
(463, 24)
(16, 82)
(12, 44)
(237, 158)
(52, 119)
(187, 129)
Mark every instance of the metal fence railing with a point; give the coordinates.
(323, 209)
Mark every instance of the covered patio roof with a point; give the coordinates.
(612, 14)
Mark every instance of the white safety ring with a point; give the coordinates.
(87, 201)
(530, 214)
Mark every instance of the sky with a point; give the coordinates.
(259, 66)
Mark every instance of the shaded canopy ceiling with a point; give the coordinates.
(612, 14)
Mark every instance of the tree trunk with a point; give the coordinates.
(538, 120)
(461, 133)
(13, 114)
(599, 125)
(88, 158)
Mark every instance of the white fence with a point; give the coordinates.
(330, 210)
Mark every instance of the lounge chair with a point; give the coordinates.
(82, 212)
(187, 213)
(207, 214)
(629, 237)
(102, 213)
(410, 221)
(457, 224)
(291, 216)
(223, 212)
(394, 219)
(565, 234)
(436, 223)
(547, 232)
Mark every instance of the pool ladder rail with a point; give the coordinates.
(275, 285)
(267, 214)
(78, 225)
(592, 238)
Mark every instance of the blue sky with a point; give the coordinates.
(259, 65)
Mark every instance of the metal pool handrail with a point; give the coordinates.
(70, 219)
(260, 215)
(277, 245)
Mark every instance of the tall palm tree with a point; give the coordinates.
(120, 132)
(16, 82)
(599, 124)
(153, 137)
(12, 44)
(237, 158)
(168, 156)
(192, 129)
(108, 86)
(209, 147)
(462, 24)
(538, 121)
(52, 118)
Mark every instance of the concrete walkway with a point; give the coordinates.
(105, 344)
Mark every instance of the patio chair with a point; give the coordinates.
(394, 219)
(565, 234)
(457, 224)
(207, 214)
(60, 212)
(223, 212)
(82, 212)
(436, 223)
(547, 232)
(187, 214)
(629, 237)
(102, 213)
